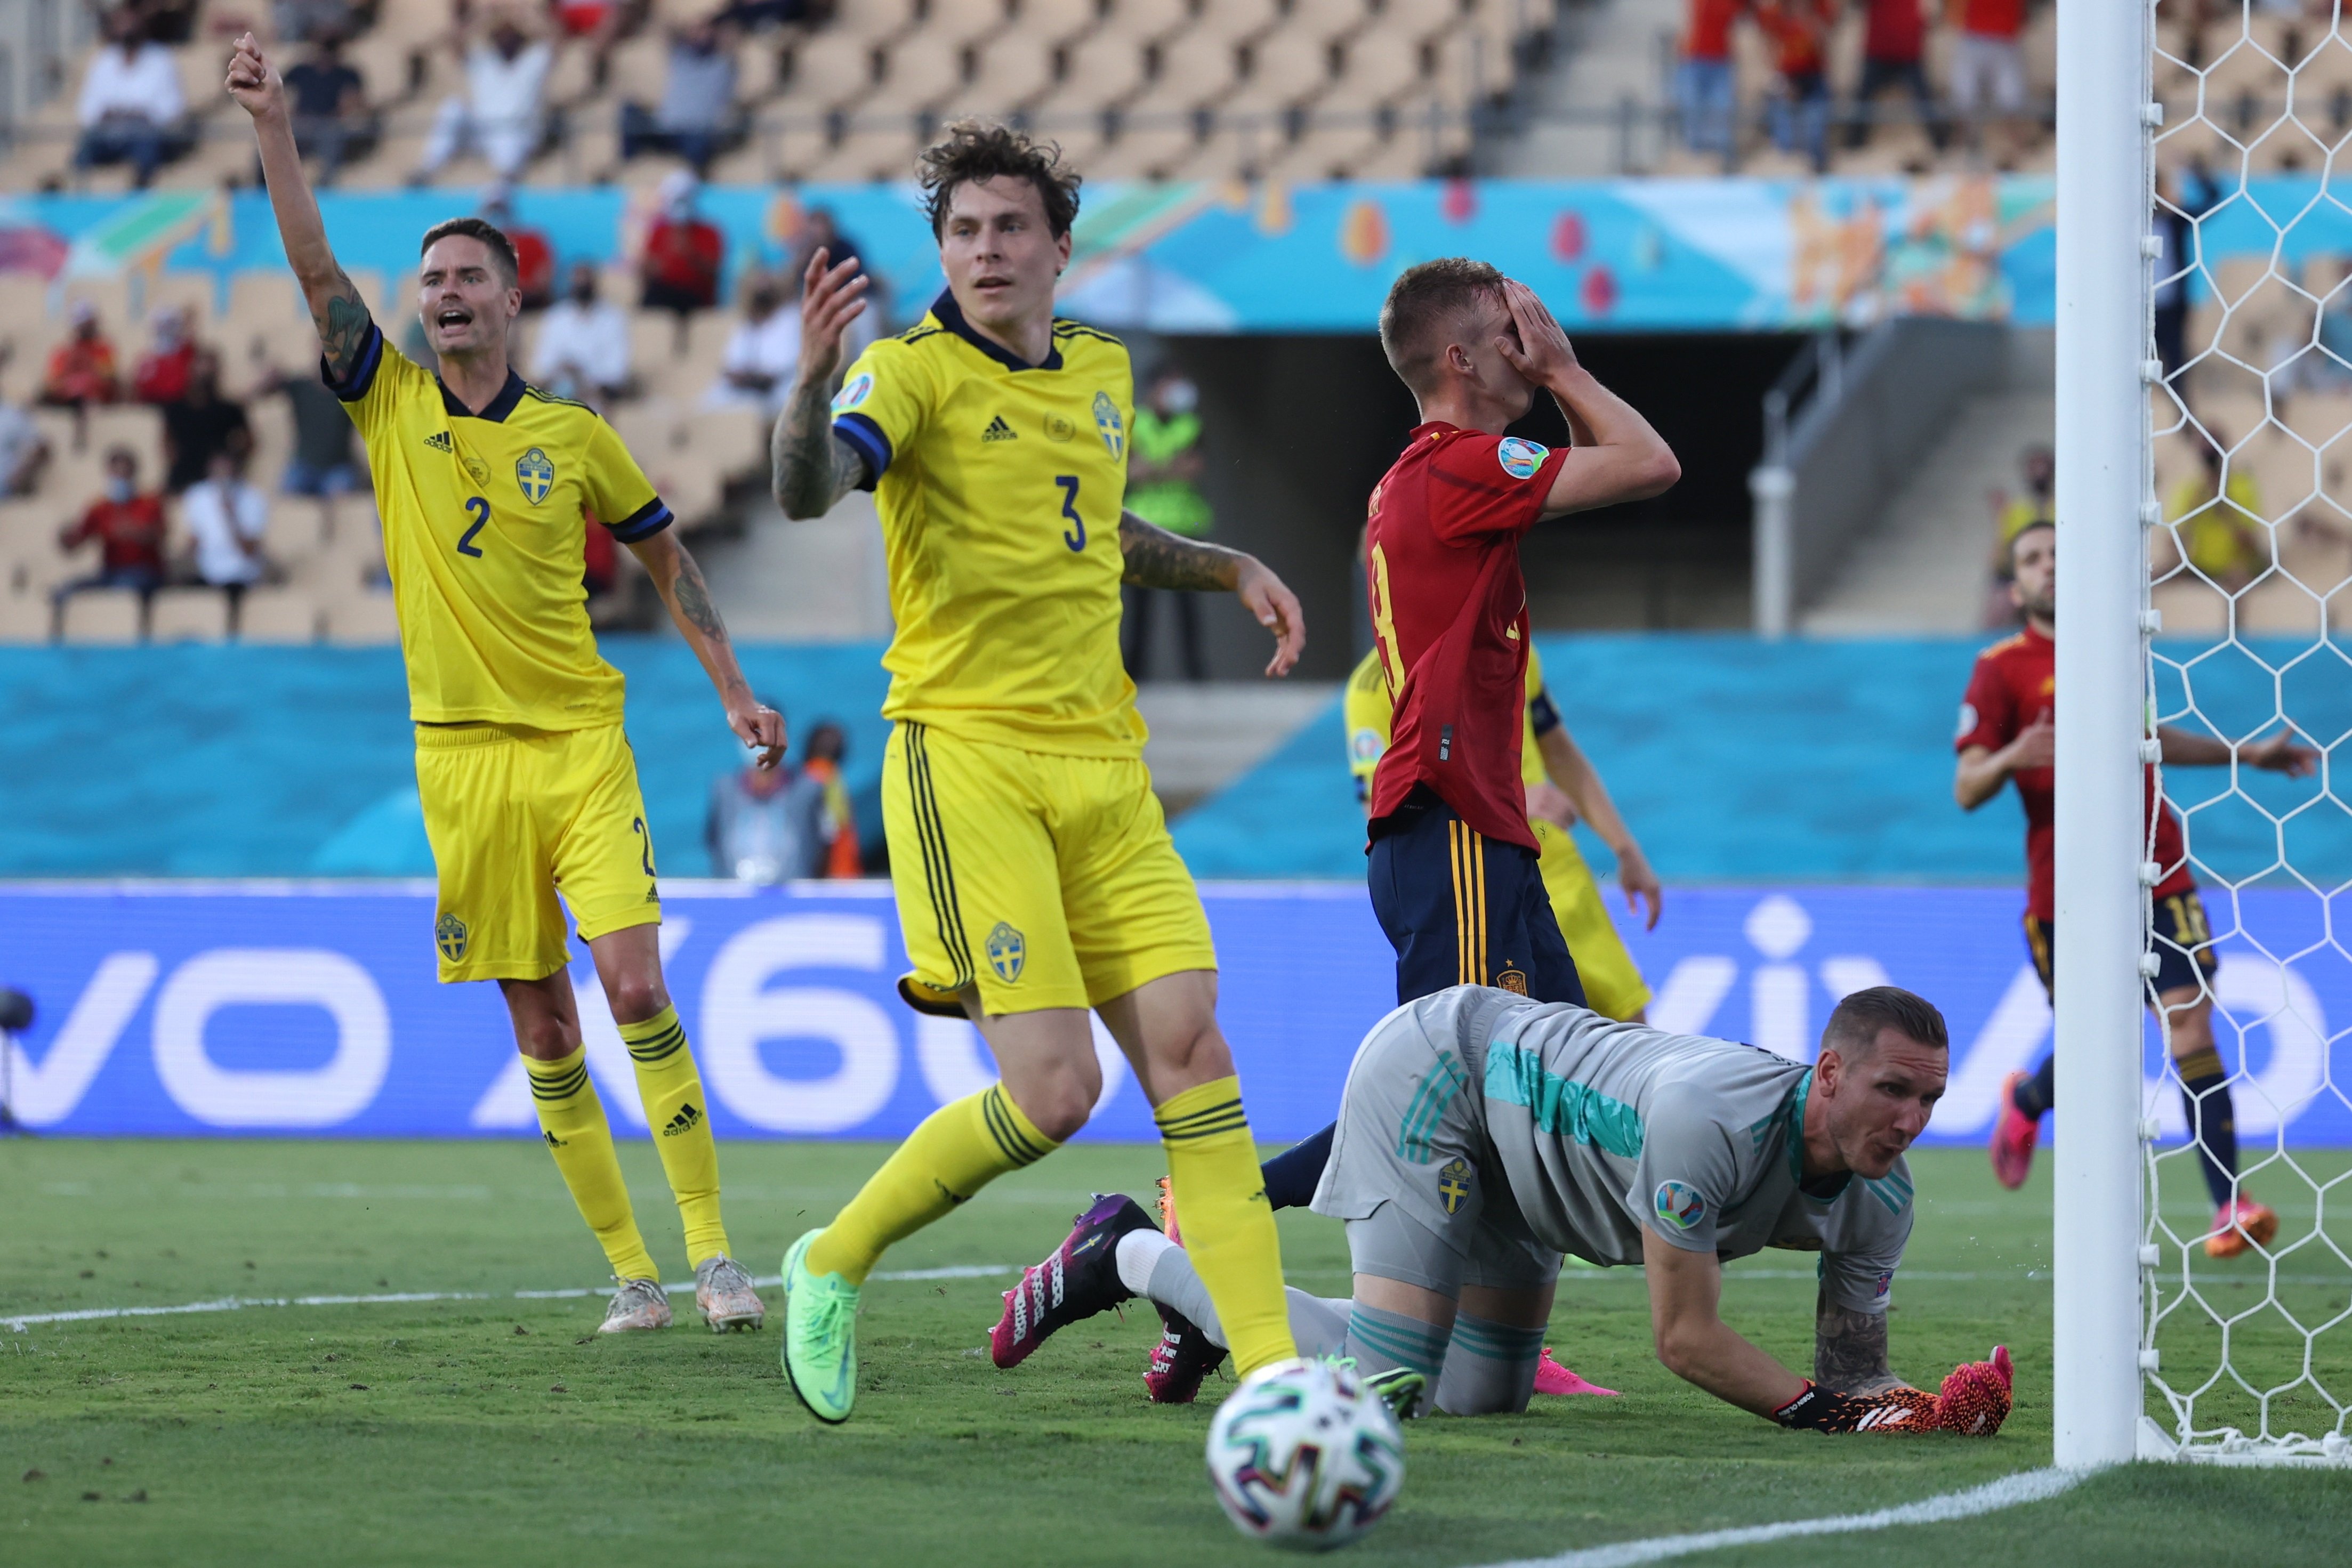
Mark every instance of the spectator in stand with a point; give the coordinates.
(751, 15)
(583, 351)
(766, 825)
(161, 376)
(329, 101)
(131, 105)
(309, 21)
(129, 529)
(534, 257)
(501, 115)
(81, 369)
(829, 744)
(1987, 62)
(1164, 465)
(227, 519)
(24, 450)
(599, 24)
(1799, 30)
(2181, 200)
(697, 112)
(763, 350)
(2218, 528)
(1703, 82)
(202, 425)
(323, 464)
(1893, 38)
(683, 255)
(170, 22)
(820, 232)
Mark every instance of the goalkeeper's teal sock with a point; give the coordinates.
(1380, 1341)
(1490, 1367)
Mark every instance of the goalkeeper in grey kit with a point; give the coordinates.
(1482, 1135)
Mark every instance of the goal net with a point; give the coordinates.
(2247, 1358)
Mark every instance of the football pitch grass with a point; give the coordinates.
(504, 1430)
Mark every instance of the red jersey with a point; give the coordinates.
(129, 533)
(686, 255)
(1709, 36)
(1799, 31)
(1896, 30)
(2000, 19)
(1450, 618)
(2016, 682)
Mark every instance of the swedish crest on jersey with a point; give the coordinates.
(449, 935)
(536, 474)
(1108, 425)
(1008, 953)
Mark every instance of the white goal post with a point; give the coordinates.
(2204, 507)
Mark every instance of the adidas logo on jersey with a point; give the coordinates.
(685, 1121)
(439, 441)
(998, 431)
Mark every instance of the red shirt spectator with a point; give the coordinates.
(1896, 31)
(128, 530)
(1800, 30)
(1450, 613)
(82, 367)
(162, 373)
(683, 254)
(2002, 19)
(1707, 35)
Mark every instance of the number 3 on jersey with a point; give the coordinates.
(479, 510)
(1075, 536)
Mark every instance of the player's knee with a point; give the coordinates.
(545, 1036)
(635, 998)
(1057, 1108)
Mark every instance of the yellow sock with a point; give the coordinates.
(958, 1150)
(679, 1115)
(571, 1120)
(1228, 1224)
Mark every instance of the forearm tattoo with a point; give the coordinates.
(694, 598)
(1158, 558)
(809, 466)
(342, 322)
(1850, 1351)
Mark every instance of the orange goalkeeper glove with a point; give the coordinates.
(1975, 1399)
(1820, 1409)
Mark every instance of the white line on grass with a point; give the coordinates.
(23, 1321)
(2026, 1485)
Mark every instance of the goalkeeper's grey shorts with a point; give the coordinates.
(1412, 1175)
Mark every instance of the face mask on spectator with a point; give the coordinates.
(1183, 397)
(119, 489)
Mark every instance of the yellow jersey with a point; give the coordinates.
(1368, 711)
(483, 524)
(1000, 486)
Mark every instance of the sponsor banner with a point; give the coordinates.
(312, 1008)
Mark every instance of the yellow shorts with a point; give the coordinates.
(1613, 987)
(515, 814)
(1049, 881)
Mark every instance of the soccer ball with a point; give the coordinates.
(1305, 1456)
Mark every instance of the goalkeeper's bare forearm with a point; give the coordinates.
(1693, 1340)
(336, 305)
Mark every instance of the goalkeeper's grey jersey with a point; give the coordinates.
(1602, 1130)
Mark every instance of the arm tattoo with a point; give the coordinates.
(810, 467)
(694, 598)
(1158, 558)
(342, 322)
(1850, 1351)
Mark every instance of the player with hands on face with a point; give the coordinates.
(486, 485)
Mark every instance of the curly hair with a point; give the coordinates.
(980, 150)
(1423, 304)
(493, 238)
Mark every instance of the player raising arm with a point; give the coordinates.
(1035, 875)
(1482, 1135)
(484, 485)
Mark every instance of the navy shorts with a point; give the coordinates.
(2183, 945)
(1461, 910)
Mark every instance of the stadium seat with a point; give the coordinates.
(277, 615)
(102, 615)
(1011, 72)
(188, 615)
(24, 617)
(1290, 66)
(1105, 71)
(363, 618)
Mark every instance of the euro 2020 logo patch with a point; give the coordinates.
(859, 388)
(449, 935)
(1679, 1203)
(1008, 953)
(1107, 424)
(1520, 459)
(536, 474)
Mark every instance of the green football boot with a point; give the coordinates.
(820, 1349)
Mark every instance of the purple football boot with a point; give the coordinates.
(1077, 1279)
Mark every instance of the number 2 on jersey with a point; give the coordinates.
(480, 511)
(1075, 536)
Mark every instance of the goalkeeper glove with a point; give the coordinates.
(1974, 1400)
(1820, 1409)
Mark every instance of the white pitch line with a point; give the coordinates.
(23, 1321)
(2010, 1491)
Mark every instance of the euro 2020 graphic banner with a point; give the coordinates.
(277, 1010)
